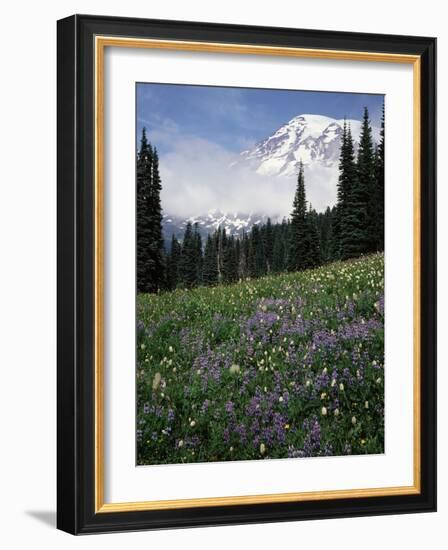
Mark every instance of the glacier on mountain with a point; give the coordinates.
(307, 138)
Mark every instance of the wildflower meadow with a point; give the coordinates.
(285, 366)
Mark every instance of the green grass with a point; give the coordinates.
(288, 365)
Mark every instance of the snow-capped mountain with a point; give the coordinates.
(312, 139)
(234, 223)
(268, 171)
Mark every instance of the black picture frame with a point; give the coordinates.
(76, 272)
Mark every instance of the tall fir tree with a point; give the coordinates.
(313, 240)
(257, 262)
(172, 264)
(187, 265)
(278, 253)
(144, 174)
(230, 262)
(326, 224)
(268, 243)
(366, 184)
(346, 167)
(350, 215)
(150, 251)
(379, 181)
(243, 262)
(238, 252)
(198, 253)
(210, 269)
(297, 256)
(221, 242)
(157, 265)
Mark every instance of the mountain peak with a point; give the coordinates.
(308, 138)
(311, 119)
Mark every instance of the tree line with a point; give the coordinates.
(353, 227)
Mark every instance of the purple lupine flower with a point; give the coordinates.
(312, 442)
(241, 431)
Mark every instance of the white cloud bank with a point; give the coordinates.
(198, 176)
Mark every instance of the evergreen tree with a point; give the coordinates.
(313, 240)
(350, 216)
(287, 241)
(366, 186)
(187, 265)
(210, 269)
(297, 256)
(325, 223)
(285, 232)
(172, 276)
(379, 198)
(268, 243)
(238, 252)
(221, 242)
(198, 253)
(279, 253)
(346, 170)
(157, 252)
(243, 262)
(150, 252)
(144, 173)
(256, 263)
(230, 263)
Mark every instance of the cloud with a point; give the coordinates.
(199, 175)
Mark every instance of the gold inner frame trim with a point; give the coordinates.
(101, 42)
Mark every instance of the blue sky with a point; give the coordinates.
(200, 132)
(237, 118)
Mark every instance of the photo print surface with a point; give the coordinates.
(260, 274)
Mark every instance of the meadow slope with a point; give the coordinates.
(289, 365)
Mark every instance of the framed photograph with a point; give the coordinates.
(246, 274)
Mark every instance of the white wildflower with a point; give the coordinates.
(156, 381)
